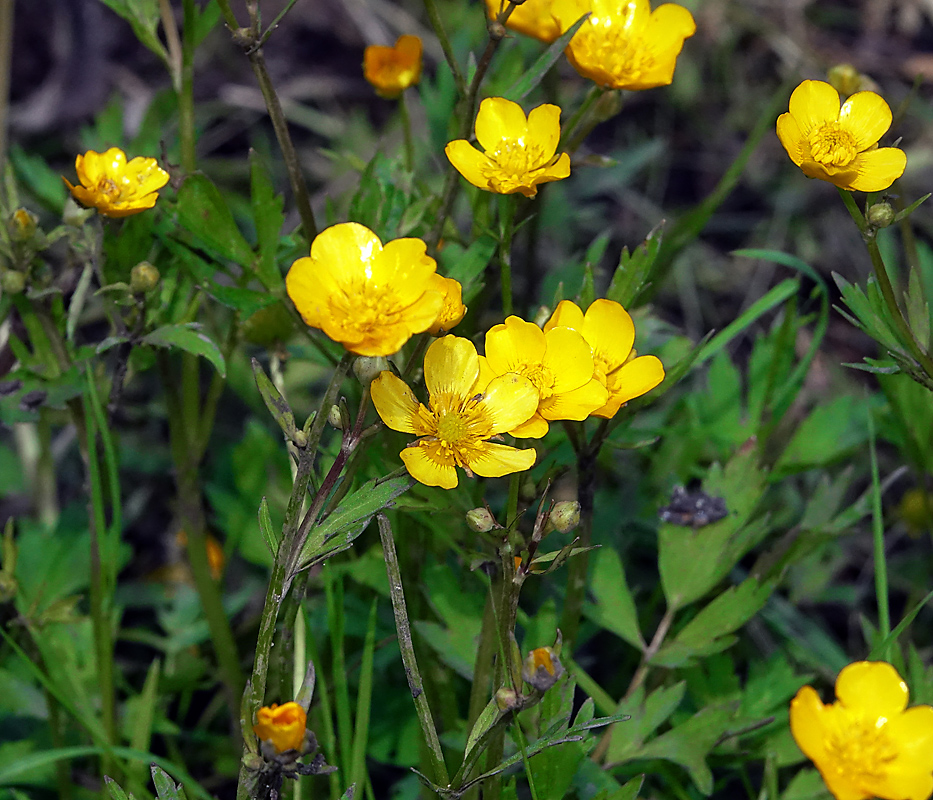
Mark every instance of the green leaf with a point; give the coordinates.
(338, 531)
(203, 212)
(832, 430)
(614, 608)
(645, 716)
(188, 337)
(115, 790)
(265, 528)
(918, 310)
(634, 268)
(467, 266)
(143, 16)
(166, 788)
(548, 58)
(268, 217)
(277, 405)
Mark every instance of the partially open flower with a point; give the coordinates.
(520, 152)
(283, 726)
(626, 45)
(115, 187)
(837, 142)
(453, 310)
(370, 297)
(542, 668)
(467, 407)
(866, 744)
(391, 70)
(610, 332)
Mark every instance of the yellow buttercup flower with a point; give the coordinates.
(519, 151)
(610, 332)
(624, 44)
(391, 70)
(370, 297)
(468, 406)
(559, 363)
(453, 310)
(115, 187)
(283, 726)
(839, 143)
(532, 18)
(866, 744)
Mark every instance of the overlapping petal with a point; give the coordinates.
(395, 403)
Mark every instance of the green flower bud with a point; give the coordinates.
(565, 516)
(480, 520)
(845, 79)
(23, 225)
(13, 282)
(368, 368)
(144, 277)
(880, 215)
(334, 417)
(507, 699)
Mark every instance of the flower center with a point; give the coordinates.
(860, 749)
(831, 144)
(611, 47)
(456, 428)
(108, 187)
(541, 377)
(516, 158)
(363, 308)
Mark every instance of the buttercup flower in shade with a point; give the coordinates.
(370, 297)
(519, 152)
(114, 186)
(866, 744)
(610, 332)
(532, 18)
(839, 143)
(453, 310)
(624, 44)
(559, 363)
(391, 70)
(283, 726)
(467, 407)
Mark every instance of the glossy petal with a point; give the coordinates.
(575, 404)
(404, 265)
(451, 366)
(913, 731)
(873, 687)
(842, 786)
(499, 119)
(610, 331)
(308, 287)
(113, 186)
(667, 29)
(532, 18)
(557, 171)
(496, 460)
(508, 401)
(568, 358)
(634, 378)
(544, 130)
(814, 103)
(878, 169)
(346, 246)
(795, 143)
(867, 117)
(395, 403)
(534, 428)
(452, 311)
(425, 468)
(841, 177)
(807, 723)
(513, 345)
(567, 315)
(469, 162)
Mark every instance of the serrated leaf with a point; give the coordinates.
(268, 218)
(645, 716)
(188, 337)
(203, 212)
(614, 608)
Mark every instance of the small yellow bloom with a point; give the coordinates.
(283, 726)
(115, 187)
(865, 744)
(519, 151)
(559, 363)
(610, 332)
(391, 70)
(370, 297)
(454, 311)
(532, 18)
(840, 144)
(468, 406)
(624, 44)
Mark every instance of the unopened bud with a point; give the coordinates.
(144, 277)
(243, 37)
(565, 516)
(480, 520)
(23, 225)
(368, 368)
(880, 215)
(496, 31)
(74, 215)
(334, 418)
(845, 79)
(542, 669)
(507, 699)
(13, 282)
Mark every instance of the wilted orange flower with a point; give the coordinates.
(391, 70)
(519, 151)
(837, 142)
(467, 407)
(454, 311)
(610, 332)
(866, 744)
(559, 363)
(113, 186)
(370, 297)
(283, 726)
(624, 44)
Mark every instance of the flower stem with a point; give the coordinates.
(185, 88)
(406, 645)
(506, 230)
(434, 17)
(570, 128)
(6, 57)
(881, 565)
(406, 130)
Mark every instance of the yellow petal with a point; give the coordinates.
(395, 403)
(451, 366)
(147, 175)
(635, 378)
(346, 246)
(841, 784)
(508, 401)
(424, 467)
(795, 143)
(567, 315)
(544, 130)
(666, 31)
(575, 404)
(88, 167)
(873, 688)
(912, 732)
(130, 208)
(842, 177)
(808, 725)
(308, 288)
(814, 103)
(495, 460)
(569, 359)
(557, 171)
(878, 169)
(513, 345)
(867, 117)
(534, 428)
(469, 162)
(499, 119)
(403, 265)
(610, 331)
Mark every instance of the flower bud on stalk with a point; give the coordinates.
(880, 215)
(13, 282)
(23, 225)
(564, 517)
(367, 368)
(480, 520)
(144, 277)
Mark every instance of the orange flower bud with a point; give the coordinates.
(283, 726)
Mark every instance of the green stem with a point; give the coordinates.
(186, 127)
(506, 230)
(881, 565)
(434, 17)
(569, 129)
(6, 60)
(406, 130)
(406, 645)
